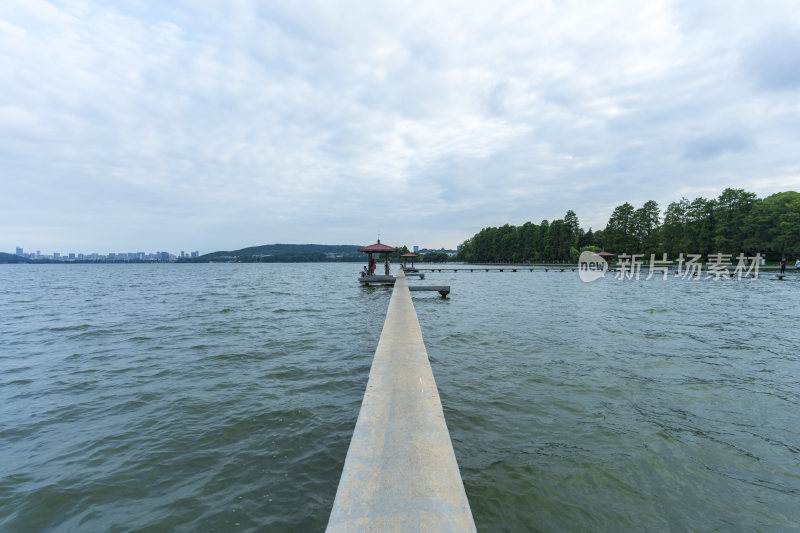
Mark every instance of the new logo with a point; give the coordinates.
(591, 266)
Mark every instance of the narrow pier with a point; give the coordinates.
(401, 472)
(538, 268)
(444, 290)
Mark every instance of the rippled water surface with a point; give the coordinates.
(223, 397)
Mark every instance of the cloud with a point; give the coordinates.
(773, 59)
(711, 146)
(214, 125)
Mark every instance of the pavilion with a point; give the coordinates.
(409, 256)
(378, 247)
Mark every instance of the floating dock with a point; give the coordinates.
(401, 472)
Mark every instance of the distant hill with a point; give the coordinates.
(284, 253)
(11, 258)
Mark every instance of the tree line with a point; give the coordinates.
(735, 222)
(427, 257)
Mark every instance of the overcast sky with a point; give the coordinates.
(128, 126)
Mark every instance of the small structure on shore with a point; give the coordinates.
(369, 275)
(410, 257)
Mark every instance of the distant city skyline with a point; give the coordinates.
(108, 256)
(222, 125)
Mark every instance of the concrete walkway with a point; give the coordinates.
(401, 473)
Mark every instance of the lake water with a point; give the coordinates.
(222, 397)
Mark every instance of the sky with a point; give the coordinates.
(215, 125)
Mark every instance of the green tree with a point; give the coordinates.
(465, 253)
(674, 227)
(541, 240)
(598, 237)
(645, 227)
(573, 227)
(530, 234)
(435, 257)
(395, 257)
(504, 240)
(619, 234)
(558, 242)
(772, 225)
(736, 221)
(732, 209)
(700, 226)
(789, 225)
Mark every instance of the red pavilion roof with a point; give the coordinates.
(377, 247)
(409, 255)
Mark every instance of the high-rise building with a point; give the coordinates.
(416, 248)
(19, 250)
(195, 254)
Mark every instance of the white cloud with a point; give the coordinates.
(240, 123)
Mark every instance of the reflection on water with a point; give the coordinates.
(222, 397)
